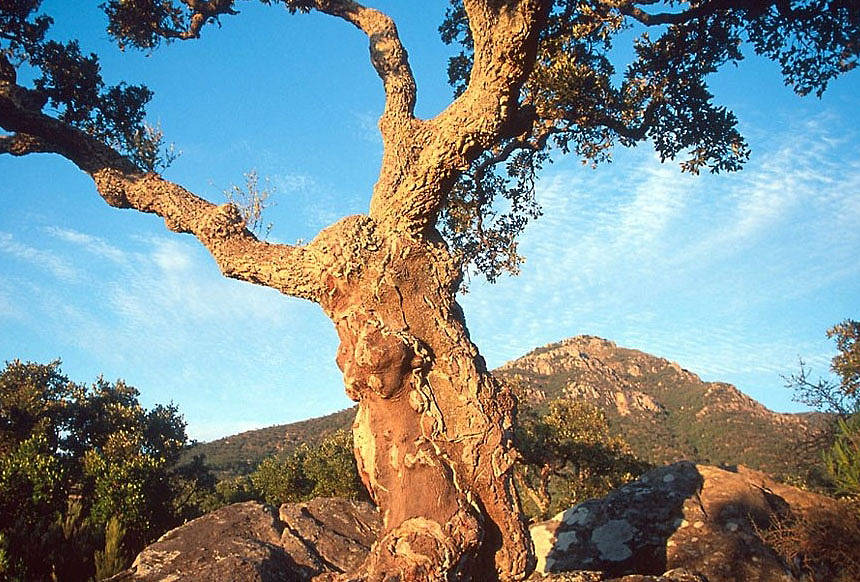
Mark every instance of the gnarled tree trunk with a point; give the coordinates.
(433, 429)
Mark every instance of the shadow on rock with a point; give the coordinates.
(699, 519)
(626, 532)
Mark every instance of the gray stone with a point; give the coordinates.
(681, 522)
(610, 539)
(329, 535)
(249, 542)
(240, 543)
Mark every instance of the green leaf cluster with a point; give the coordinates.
(592, 88)
(326, 470)
(71, 82)
(843, 458)
(87, 474)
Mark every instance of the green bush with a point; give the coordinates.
(87, 475)
(112, 560)
(328, 470)
(843, 458)
(842, 399)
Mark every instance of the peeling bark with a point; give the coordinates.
(433, 435)
(433, 429)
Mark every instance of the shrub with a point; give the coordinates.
(328, 470)
(843, 458)
(821, 544)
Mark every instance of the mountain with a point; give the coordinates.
(665, 412)
(240, 454)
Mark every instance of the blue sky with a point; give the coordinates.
(733, 276)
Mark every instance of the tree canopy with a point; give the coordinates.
(534, 79)
(82, 468)
(577, 98)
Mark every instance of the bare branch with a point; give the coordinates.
(505, 34)
(387, 54)
(221, 229)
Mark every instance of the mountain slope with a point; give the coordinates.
(666, 413)
(240, 454)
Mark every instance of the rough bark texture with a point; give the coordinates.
(433, 431)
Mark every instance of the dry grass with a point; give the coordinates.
(821, 545)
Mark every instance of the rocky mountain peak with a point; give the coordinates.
(666, 412)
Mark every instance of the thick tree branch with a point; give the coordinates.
(221, 229)
(400, 130)
(21, 144)
(387, 54)
(703, 9)
(505, 34)
(202, 11)
(633, 133)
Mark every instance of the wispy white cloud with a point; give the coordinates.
(165, 319)
(366, 127)
(173, 280)
(8, 309)
(39, 258)
(292, 182)
(88, 242)
(698, 269)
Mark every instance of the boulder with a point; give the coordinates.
(240, 542)
(250, 542)
(701, 520)
(329, 535)
(679, 523)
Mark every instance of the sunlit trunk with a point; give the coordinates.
(433, 429)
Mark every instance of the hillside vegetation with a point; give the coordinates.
(663, 411)
(241, 453)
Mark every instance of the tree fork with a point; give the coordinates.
(433, 429)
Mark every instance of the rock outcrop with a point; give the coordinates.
(240, 543)
(678, 523)
(329, 535)
(703, 520)
(250, 542)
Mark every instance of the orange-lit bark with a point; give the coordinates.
(433, 431)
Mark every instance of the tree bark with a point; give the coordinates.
(433, 429)
(433, 433)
